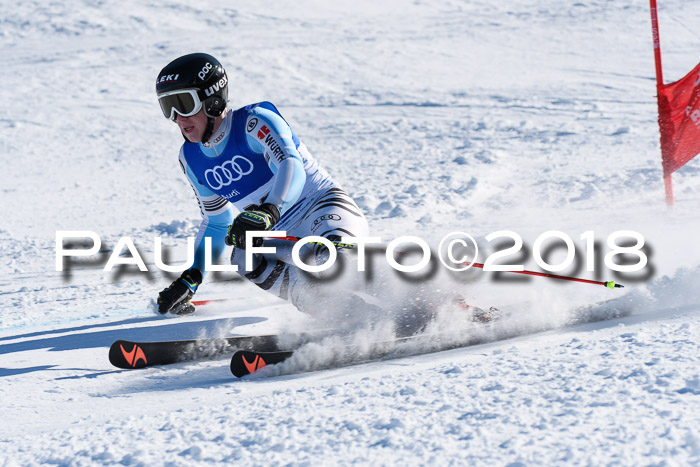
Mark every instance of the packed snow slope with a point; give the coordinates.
(477, 116)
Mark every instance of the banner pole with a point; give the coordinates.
(668, 183)
(657, 42)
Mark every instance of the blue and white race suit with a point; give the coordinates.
(255, 157)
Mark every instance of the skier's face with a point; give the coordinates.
(192, 127)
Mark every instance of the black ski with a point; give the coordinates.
(245, 362)
(128, 354)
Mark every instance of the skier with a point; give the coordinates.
(248, 161)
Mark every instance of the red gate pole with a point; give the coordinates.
(668, 185)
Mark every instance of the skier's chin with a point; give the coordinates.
(184, 135)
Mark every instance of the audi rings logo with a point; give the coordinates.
(327, 217)
(228, 172)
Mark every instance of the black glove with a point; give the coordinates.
(262, 217)
(176, 298)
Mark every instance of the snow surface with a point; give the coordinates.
(437, 116)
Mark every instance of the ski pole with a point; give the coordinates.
(296, 239)
(609, 284)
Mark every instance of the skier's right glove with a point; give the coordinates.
(176, 298)
(262, 217)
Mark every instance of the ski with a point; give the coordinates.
(245, 362)
(129, 355)
(250, 353)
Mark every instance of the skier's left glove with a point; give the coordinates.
(176, 298)
(262, 217)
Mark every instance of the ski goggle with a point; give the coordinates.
(184, 102)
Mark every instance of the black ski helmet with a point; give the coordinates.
(199, 72)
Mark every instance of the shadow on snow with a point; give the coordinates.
(161, 330)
